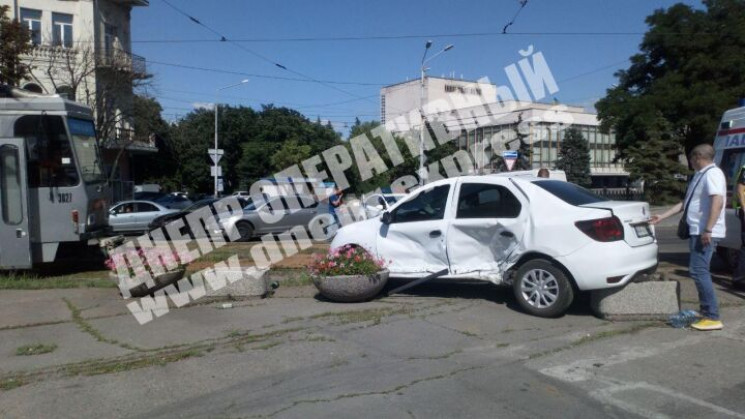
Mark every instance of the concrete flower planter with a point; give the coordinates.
(652, 300)
(351, 288)
(161, 281)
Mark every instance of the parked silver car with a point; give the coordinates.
(250, 223)
(134, 216)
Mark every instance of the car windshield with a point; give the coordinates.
(569, 192)
(84, 139)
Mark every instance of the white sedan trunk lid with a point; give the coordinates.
(635, 219)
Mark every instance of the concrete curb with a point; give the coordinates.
(652, 300)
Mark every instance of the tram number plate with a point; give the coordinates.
(64, 197)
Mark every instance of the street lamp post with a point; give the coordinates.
(424, 69)
(217, 107)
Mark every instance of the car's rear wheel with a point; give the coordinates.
(542, 288)
(245, 230)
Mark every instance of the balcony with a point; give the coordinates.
(52, 53)
(122, 61)
(124, 137)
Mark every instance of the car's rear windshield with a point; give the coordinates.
(569, 192)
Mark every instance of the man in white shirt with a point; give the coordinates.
(705, 218)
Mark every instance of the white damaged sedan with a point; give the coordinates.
(548, 238)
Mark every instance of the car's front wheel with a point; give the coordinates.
(245, 230)
(542, 289)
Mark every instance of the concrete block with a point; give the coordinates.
(242, 283)
(652, 300)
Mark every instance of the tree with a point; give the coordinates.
(257, 144)
(689, 70)
(15, 41)
(655, 162)
(151, 128)
(574, 158)
(523, 148)
(290, 153)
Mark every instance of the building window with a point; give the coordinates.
(32, 20)
(382, 109)
(62, 30)
(109, 40)
(33, 87)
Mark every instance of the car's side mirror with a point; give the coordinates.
(386, 218)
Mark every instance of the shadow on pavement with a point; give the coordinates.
(479, 290)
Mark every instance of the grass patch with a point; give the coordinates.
(374, 315)
(36, 349)
(236, 333)
(320, 338)
(29, 281)
(266, 346)
(86, 327)
(595, 337)
(112, 367)
(301, 279)
(7, 384)
(292, 319)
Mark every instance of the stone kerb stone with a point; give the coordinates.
(245, 283)
(652, 300)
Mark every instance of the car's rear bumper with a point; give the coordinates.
(609, 265)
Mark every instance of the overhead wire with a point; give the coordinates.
(512, 21)
(276, 64)
(405, 36)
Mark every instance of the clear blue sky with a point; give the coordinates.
(583, 65)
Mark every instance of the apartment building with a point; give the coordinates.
(82, 50)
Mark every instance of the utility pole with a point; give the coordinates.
(216, 157)
(422, 87)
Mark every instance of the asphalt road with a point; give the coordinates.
(441, 351)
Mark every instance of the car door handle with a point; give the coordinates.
(507, 233)
(435, 233)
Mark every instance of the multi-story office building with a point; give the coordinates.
(486, 126)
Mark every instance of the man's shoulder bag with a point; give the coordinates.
(684, 230)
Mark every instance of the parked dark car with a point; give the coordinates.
(165, 219)
(174, 201)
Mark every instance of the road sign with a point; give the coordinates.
(219, 184)
(215, 155)
(219, 171)
(509, 157)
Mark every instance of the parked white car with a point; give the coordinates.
(548, 238)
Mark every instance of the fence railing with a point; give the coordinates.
(122, 190)
(620, 194)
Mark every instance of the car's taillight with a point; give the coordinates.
(603, 230)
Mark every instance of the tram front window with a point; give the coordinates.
(84, 139)
(50, 160)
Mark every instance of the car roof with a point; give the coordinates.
(137, 201)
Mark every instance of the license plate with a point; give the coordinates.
(642, 230)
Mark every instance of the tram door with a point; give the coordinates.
(15, 246)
